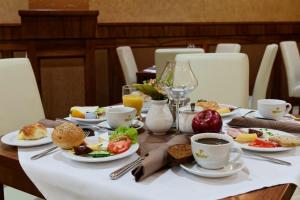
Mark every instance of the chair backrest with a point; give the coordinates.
(222, 77)
(20, 102)
(162, 56)
(128, 64)
(228, 48)
(291, 59)
(263, 75)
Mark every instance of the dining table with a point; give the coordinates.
(12, 174)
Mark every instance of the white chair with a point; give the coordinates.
(291, 59)
(222, 77)
(228, 48)
(162, 56)
(128, 64)
(263, 75)
(20, 101)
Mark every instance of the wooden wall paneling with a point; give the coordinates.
(102, 77)
(102, 73)
(7, 54)
(90, 73)
(63, 85)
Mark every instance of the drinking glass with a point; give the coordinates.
(132, 98)
(178, 80)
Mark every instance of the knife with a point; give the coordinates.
(270, 159)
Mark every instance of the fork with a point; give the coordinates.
(50, 150)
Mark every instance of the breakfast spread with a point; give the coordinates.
(119, 142)
(32, 132)
(87, 112)
(67, 136)
(263, 138)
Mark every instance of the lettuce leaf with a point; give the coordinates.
(130, 132)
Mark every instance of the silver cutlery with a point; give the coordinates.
(123, 170)
(51, 150)
(270, 159)
(247, 113)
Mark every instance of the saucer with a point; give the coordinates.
(228, 170)
(139, 124)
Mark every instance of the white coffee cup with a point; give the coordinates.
(120, 116)
(273, 108)
(214, 156)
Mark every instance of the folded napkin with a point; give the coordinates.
(154, 149)
(290, 127)
(49, 123)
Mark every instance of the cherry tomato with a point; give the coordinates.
(120, 146)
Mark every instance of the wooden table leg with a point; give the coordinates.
(1, 192)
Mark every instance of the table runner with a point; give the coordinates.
(60, 178)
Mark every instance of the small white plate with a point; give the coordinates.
(94, 121)
(227, 106)
(12, 139)
(266, 136)
(74, 157)
(139, 124)
(285, 118)
(228, 170)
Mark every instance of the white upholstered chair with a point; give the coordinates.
(20, 101)
(222, 77)
(291, 59)
(128, 64)
(263, 75)
(228, 48)
(162, 56)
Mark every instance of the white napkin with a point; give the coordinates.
(59, 178)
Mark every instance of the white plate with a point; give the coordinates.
(227, 106)
(74, 157)
(228, 170)
(265, 136)
(140, 124)
(285, 118)
(96, 121)
(12, 139)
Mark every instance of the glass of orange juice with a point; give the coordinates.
(132, 98)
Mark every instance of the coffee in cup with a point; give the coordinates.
(120, 116)
(273, 108)
(213, 150)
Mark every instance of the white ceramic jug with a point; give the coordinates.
(159, 119)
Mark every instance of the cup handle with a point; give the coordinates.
(239, 154)
(288, 108)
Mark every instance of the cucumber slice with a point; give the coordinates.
(98, 154)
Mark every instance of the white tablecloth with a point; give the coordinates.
(59, 178)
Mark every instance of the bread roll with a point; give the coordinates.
(32, 132)
(67, 136)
